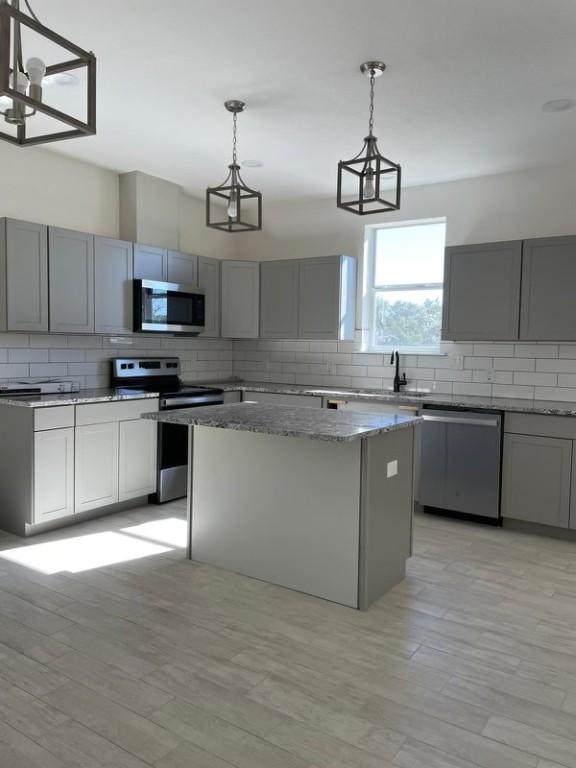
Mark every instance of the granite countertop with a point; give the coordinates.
(77, 398)
(519, 405)
(288, 421)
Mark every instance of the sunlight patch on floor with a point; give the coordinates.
(171, 531)
(83, 553)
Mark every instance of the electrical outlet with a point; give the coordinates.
(457, 362)
(490, 374)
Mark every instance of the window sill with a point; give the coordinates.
(420, 351)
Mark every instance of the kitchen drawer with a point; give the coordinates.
(540, 425)
(123, 410)
(57, 417)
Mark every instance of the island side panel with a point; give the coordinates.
(386, 512)
(282, 509)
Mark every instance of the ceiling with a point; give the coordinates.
(462, 95)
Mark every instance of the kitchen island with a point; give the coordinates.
(315, 500)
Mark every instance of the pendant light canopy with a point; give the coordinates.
(21, 84)
(233, 206)
(369, 182)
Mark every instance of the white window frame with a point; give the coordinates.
(370, 290)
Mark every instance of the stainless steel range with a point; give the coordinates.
(162, 375)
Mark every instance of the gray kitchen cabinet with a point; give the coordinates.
(209, 281)
(182, 268)
(53, 474)
(112, 286)
(279, 299)
(150, 262)
(482, 292)
(96, 466)
(536, 478)
(71, 279)
(327, 295)
(548, 310)
(23, 276)
(240, 299)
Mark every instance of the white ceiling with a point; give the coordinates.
(462, 95)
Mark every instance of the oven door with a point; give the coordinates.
(168, 307)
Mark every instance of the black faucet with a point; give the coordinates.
(399, 381)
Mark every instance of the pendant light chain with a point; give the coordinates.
(371, 121)
(234, 140)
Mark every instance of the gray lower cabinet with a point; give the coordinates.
(279, 299)
(209, 281)
(327, 298)
(240, 299)
(536, 478)
(112, 286)
(23, 276)
(182, 268)
(150, 262)
(71, 273)
(548, 311)
(53, 474)
(482, 292)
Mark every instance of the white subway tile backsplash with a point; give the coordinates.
(556, 366)
(50, 369)
(514, 364)
(67, 355)
(14, 370)
(567, 350)
(555, 393)
(536, 379)
(323, 346)
(494, 350)
(483, 390)
(351, 370)
(477, 363)
(28, 355)
(536, 350)
(505, 390)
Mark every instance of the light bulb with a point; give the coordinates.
(36, 70)
(21, 82)
(369, 190)
(232, 209)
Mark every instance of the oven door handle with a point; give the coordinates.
(189, 402)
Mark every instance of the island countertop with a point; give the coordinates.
(288, 421)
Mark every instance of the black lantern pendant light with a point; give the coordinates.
(369, 182)
(22, 85)
(233, 206)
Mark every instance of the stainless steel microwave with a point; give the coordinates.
(168, 307)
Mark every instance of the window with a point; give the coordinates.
(403, 285)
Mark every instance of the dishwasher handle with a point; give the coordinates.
(489, 421)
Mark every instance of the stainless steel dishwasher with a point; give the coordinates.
(460, 460)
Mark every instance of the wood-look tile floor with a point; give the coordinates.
(116, 652)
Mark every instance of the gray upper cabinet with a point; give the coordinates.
(536, 476)
(209, 281)
(24, 280)
(279, 299)
(112, 286)
(482, 292)
(182, 268)
(150, 262)
(71, 272)
(240, 299)
(548, 309)
(327, 298)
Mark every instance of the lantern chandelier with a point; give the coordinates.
(243, 205)
(22, 84)
(369, 182)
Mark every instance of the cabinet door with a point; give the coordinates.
(150, 263)
(548, 288)
(96, 466)
(182, 268)
(482, 292)
(319, 311)
(71, 271)
(53, 474)
(112, 286)
(138, 441)
(536, 479)
(240, 299)
(209, 281)
(279, 299)
(26, 276)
